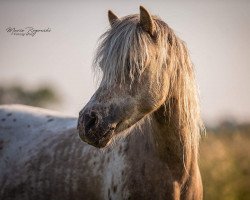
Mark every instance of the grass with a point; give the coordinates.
(225, 163)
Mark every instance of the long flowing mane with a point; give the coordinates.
(126, 44)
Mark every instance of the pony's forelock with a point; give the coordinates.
(123, 51)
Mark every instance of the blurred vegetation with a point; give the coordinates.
(225, 162)
(42, 96)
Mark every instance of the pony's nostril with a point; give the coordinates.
(91, 120)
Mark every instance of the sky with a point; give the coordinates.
(217, 34)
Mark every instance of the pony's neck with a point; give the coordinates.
(172, 141)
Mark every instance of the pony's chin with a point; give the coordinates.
(101, 143)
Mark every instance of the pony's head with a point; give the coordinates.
(142, 62)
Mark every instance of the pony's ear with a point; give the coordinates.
(112, 18)
(146, 21)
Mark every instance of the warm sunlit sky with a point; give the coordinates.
(216, 32)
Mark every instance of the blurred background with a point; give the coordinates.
(53, 69)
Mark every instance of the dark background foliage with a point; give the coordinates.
(42, 96)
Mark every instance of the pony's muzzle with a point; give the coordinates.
(94, 130)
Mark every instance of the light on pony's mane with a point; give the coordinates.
(123, 53)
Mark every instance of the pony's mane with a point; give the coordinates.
(126, 44)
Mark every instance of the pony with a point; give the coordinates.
(147, 81)
(141, 127)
